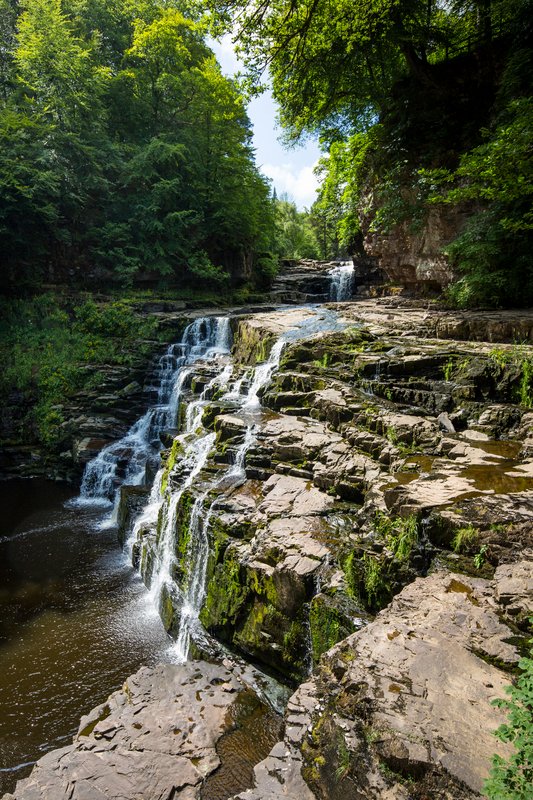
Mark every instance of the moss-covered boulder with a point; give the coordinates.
(260, 610)
(331, 619)
(252, 343)
(132, 501)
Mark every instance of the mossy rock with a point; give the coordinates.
(251, 345)
(147, 560)
(226, 593)
(374, 578)
(273, 638)
(169, 611)
(335, 349)
(258, 611)
(132, 501)
(169, 459)
(182, 531)
(330, 621)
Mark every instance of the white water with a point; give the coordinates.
(341, 286)
(192, 463)
(198, 547)
(125, 461)
(198, 550)
(207, 340)
(262, 374)
(162, 508)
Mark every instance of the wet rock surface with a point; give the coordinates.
(379, 453)
(304, 281)
(159, 737)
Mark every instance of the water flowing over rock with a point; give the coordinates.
(309, 281)
(308, 471)
(170, 539)
(342, 277)
(125, 461)
(245, 536)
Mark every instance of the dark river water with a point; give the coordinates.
(75, 621)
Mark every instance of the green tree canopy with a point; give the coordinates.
(333, 64)
(125, 149)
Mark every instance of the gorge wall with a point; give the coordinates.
(412, 254)
(388, 461)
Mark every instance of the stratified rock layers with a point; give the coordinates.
(402, 708)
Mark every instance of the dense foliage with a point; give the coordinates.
(124, 152)
(295, 234)
(512, 778)
(53, 347)
(416, 102)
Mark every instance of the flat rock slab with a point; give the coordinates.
(406, 698)
(154, 739)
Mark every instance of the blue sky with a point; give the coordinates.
(290, 170)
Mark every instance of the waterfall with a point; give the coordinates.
(125, 461)
(196, 459)
(177, 569)
(198, 548)
(262, 375)
(341, 286)
(161, 512)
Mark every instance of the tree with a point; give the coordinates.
(55, 68)
(124, 148)
(8, 19)
(333, 64)
(335, 213)
(295, 235)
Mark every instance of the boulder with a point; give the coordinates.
(405, 702)
(157, 738)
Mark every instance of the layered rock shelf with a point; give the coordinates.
(375, 553)
(165, 734)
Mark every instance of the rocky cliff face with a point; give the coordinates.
(402, 709)
(383, 453)
(411, 253)
(389, 467)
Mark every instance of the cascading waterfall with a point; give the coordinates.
(194, 445)
(161, 511)
(125, 461)
(198, 549)
(195, 458)
(341, 286)
(262, 375)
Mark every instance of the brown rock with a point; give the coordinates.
(156, 738)
(409, 696)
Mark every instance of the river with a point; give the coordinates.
(75, 621)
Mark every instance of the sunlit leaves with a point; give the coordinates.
(124, 147)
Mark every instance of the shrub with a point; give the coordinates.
(512, 778)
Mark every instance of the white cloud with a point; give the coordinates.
(224, 50)
(299, 183)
